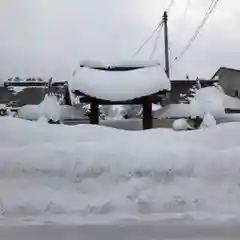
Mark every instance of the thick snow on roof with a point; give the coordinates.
(57, 173)
(120, 85)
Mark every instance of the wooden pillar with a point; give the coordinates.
(94, 111)
(67, 97)
(147, 112)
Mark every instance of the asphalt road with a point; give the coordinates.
(124, 232)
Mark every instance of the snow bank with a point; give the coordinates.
(50, 109)
(120, 85)
(213, 100)
(52, 172)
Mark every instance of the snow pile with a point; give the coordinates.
(181, 124)
(52, 172)
(208, 121)
(48, 108)
(210, 100)
(120, 85)
(213, 100)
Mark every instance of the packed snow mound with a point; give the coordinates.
(120, 85)
(50, 172)
(208, 121)
(213, 100)
(49, 108)
(206, 100)
(181, 124)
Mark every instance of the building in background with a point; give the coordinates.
(229, 80)
(182, 88)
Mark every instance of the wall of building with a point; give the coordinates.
(230, 82)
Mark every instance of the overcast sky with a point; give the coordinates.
(50, 37)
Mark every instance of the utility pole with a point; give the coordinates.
(165, 23)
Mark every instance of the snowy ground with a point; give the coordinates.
(56, 174)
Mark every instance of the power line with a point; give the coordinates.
(212, 6)
(149, 38)
(155, 46)
(157, 29)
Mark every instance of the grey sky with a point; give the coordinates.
(50, 37)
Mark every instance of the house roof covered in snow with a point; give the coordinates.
(120, 85)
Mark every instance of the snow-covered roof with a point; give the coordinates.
(120, 85)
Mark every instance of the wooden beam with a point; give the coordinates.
(155, 98)
(147, 113)
(34, 84)
(128, 102)
(67, 97)
(94, 111)
(58, 84)
(232, 110)
(25, 84)
(157, 94)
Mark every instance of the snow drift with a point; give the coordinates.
(50, 172)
